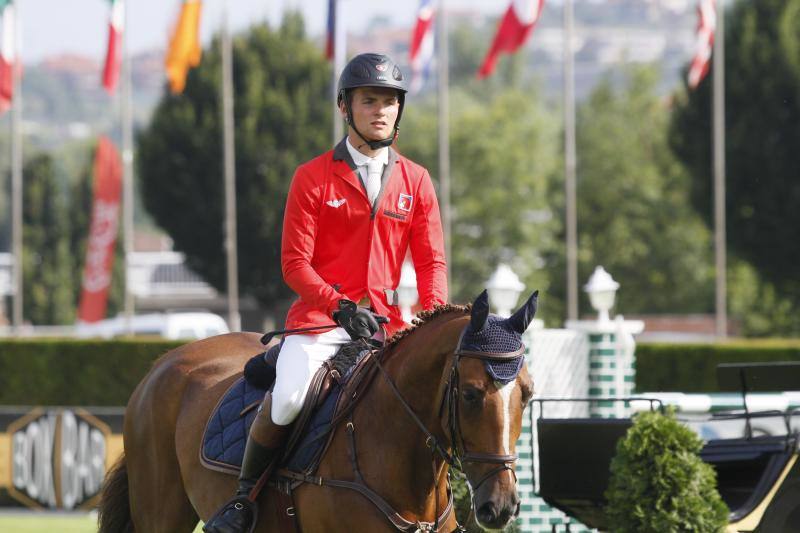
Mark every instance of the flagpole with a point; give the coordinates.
(234, 319)
(127, 172)
(339, 53)
(16, 178)
(720, 251)
(570, 164)
(443, 76)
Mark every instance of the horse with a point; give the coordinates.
(435, 401)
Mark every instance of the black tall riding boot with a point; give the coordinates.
(256, 459)
(265, 440)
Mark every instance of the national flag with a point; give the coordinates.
(116, 25)
(421, 49)
(330, 39)
(102, 233)
(184, 47)
(704, 42)
(515, 28)
(8, 54)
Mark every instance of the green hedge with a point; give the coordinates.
(693, 367)
(74, 372)
(104, 373)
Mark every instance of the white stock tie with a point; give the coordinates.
(373, 185)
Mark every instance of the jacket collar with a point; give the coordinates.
(345, 168)
(341, 153)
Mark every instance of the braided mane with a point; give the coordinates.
(423, 317)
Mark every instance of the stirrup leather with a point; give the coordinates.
(238, 515)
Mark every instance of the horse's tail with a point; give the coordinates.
(114, 511)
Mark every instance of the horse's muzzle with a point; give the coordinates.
(490, 515)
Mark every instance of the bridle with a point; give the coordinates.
(450, 401)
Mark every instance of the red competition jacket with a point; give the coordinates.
(336, 246)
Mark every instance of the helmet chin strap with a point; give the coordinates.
(373, 145)
(376, 145)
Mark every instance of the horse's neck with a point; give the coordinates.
(417, 367)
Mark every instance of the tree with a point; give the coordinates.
(283, 110)
(47, 288)
(504, 159)
(632, 196)
(659, 483)
(762, 100)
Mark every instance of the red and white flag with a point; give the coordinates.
(421, 49)
(704, 44)
(102, 233)
(8, 54)
(116, 25)
(515, 28)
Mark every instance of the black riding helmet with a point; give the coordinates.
(371, 70)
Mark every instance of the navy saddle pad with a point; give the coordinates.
(226, 433)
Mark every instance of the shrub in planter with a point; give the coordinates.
(658, 482)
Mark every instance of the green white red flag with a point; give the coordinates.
(116, 25)
(8, 53)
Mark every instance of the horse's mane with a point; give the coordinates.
(424, 317)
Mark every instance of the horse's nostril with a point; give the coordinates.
(505, 516)
(487, 514)
(516, 511)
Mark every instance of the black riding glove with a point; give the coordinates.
(358, 322)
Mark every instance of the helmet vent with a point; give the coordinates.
(396, 74)
(358, 70)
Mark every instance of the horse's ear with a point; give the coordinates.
(520, 320)
(480, 311)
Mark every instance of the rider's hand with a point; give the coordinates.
(358, 322)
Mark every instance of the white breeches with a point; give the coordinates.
(300, 358)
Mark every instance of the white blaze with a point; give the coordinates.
(505, 394)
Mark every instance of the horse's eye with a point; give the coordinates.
(472, 396)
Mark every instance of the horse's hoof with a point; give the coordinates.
(237, 516)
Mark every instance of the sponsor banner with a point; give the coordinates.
(102, 233)
(57, 457)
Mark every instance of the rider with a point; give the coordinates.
(351, 215)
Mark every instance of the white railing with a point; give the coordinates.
(559, 364)
(558, 361)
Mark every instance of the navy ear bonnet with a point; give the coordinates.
(491, 334)
(496, 337)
